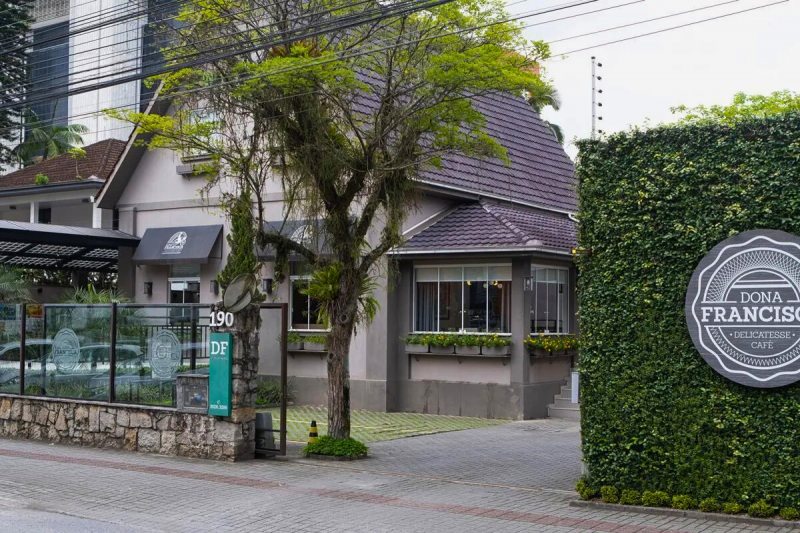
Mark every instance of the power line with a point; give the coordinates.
(670, 29)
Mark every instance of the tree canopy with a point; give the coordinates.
(340, 123)
(744, 106)
(15, 19)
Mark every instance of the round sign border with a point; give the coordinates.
(163, 333)
(57, 339)
(714, 360)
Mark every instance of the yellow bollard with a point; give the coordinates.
(312, 434)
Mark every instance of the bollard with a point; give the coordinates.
(265, 440)
(312, 434)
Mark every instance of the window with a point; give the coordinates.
(49, 60)
(304, 310)
(550, 305)
(463, 299)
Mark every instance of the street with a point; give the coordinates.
(513, 477)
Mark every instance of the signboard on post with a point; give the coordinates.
(220, 382)
(743, 308)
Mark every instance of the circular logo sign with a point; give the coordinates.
(66, 350)
(743, 308)
(165, 354)
(175, 243)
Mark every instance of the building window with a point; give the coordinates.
(49, 71)
(550, 305)
(304, 310)
(474, 299)
(184, 288)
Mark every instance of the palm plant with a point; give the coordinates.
(13, 288)
(90, 295)
(47, 138)
(547, 96)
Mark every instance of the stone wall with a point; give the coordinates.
(124, 427)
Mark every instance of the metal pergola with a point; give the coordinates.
(54, 247)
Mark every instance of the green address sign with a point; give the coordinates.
(220, 383)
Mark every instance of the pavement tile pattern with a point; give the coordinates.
(495, 479)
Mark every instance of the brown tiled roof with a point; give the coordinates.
(101, 157)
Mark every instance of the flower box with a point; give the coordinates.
(496, 351)
(416, 348)
(468, 350)
(294, 346)
(314, 347)
(558, 353)
(443, 350)
(540, 352)
(572, 353)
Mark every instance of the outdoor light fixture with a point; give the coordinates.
(148, 288)
(214, 286)
(266, 285)
(12, 207)
(581, 251)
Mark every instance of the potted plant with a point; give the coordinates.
(315, 343)
(539, 345)
(442, 343)
(294, 341)
(468, 344)
(416, 343)
(495, 345)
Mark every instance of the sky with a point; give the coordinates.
(756, 52)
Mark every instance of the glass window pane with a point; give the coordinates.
(426, 306)
(549, 309)
(450, 308)
(427, 274)
(9, 348)
(499, 307)
(450, 274)
(475, 299)
(299, 311)
(500, 273)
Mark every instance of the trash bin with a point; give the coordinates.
(265, 439)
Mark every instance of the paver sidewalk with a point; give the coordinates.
(471, 481)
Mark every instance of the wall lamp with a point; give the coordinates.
(581, 251)
(148, 288)
(214, 286)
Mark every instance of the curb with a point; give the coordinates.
(698, 515)
(318, 457)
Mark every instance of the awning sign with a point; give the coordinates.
(743, 308)
(220, 382)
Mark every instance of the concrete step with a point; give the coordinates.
(566, 391)
(572, 413)
(562, 401)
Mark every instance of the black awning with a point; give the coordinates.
(307, 232)
(53, 247)
(185, 244)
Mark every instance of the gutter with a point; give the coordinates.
(426, 251)
(89, 183)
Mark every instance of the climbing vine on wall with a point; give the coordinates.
(655, 415)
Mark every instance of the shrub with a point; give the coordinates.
(710, 505)
(761, 509)
(441, 339)
(41, 179)
(495, 341)
(326, 445)
(468, 340)
(682, 501)
(652, 204)
(789, 513)
(609, 494)
(268, 391)
(552, 343)
(416, 339)
(656, 499)
(732, 508)
(291, 336)
(316, 339)
(630, 497)
(584, 490)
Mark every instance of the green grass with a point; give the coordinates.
(369, 426)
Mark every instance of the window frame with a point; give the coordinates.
(309, 329)
(567, 321)
(462, 266)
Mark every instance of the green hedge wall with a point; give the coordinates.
(655, 416)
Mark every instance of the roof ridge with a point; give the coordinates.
(523, 237)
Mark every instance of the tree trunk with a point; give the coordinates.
(339, 381)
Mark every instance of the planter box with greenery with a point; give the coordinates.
(328, 447)
(551, 345)
(294, 341)
(467, 344)
(416, 343)
(495, 346)
(315, 343)
(442, 343)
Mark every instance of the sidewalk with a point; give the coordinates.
(507, 478)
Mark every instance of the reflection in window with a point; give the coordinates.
(469, 299)
(549, 306)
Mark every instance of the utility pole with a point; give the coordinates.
(595, 92)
